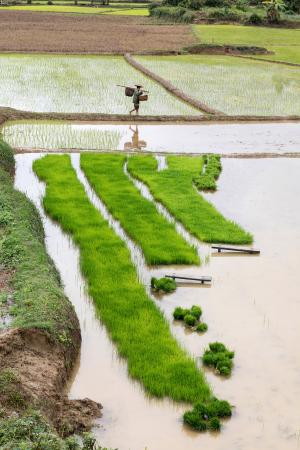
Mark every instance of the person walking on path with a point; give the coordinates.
(136, 99)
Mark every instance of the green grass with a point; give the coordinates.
(173, 187)
(38, 298)
(158, 239)
(232, 85)
(125, 10)
(285, 43)
(74, 83)
(138, 328)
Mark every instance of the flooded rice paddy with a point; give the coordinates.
(232, 85)
(252, 306)
(58, 83)
(226, 139)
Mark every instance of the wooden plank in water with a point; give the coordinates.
(251, 251)
(203, 279)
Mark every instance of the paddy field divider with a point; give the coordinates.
(171, 88)
(137, 327)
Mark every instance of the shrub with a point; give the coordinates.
(219, 357)
(173, 14)
(188, 17)
(196, 311)
(190, 320)
(225, 14)
(163, 284)
(193, 4)
(254, 19)
(202, 327)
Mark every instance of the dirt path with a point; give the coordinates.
(70, 33)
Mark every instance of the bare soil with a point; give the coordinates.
(53, 32)
(41, 367)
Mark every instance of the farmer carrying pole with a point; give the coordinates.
(136, 99)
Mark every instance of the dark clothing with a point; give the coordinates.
(136, 96)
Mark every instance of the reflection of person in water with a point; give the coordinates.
(135, 143)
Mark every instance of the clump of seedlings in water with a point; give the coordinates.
(219, 357)
(206, 416)
(163, 284)
(191, 318)
(212, 168)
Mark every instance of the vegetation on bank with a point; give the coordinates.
(138, 328)
(157, 237)
(38, 298)
(33, 298)
(255, 12)
(173, 187)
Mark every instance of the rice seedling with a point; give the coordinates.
(283, 42)
(206, 181)
(157, 237)
(173, 187)
(206, 416)
(74, 83)
(191, 317)
(219, 357)
(202, 327)
(137, 327)
(163, 284)
(232, 85)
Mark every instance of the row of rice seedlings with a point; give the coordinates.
(232, 85)
(58, 135)
(173, 187)
(206, 180)
(87, 83)
(137, 327)
(157, 237)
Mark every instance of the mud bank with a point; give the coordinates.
(15, 114)
(39, 331)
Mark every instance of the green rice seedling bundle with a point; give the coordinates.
(232, 85)
(73, 83)
(173, 187)
(206, 181)
(158, 239)
(219, 357)
(166, 285)
(191, 317)
(206, 416)
(135, 324)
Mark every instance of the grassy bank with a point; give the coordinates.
(38, 298)
(139, 217)
(173, 187)
(138, 328)
(41, 317)
(284, 43)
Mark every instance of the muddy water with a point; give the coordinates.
(202, 138)
(252, 306)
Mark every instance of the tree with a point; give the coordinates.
(274, 8)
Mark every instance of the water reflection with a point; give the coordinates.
(135, 143)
